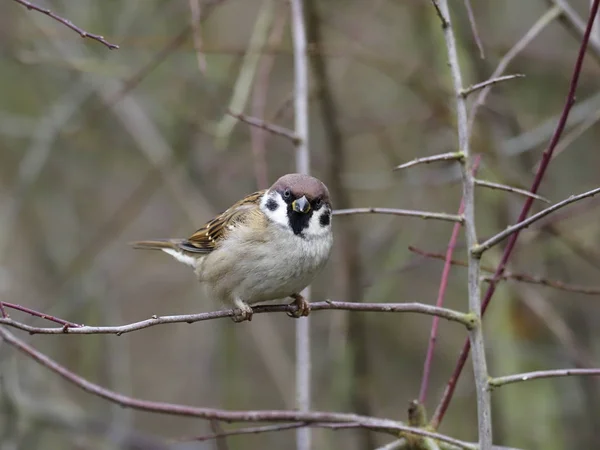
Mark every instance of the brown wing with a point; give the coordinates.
(206, 239)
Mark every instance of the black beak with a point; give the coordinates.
(301, 205)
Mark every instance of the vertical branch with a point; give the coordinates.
(303, 435)
(484, 412)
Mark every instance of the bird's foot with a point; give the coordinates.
(242, 312)
(303, 306)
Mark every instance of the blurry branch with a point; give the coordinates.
(195, 17)
(439, 13)
(421, 308)
(514, 190)
(243, 84)
(301, 127)
(495, 80)
(67, 23)
(467, 164)
(373, 423)
(263, 125)
(539, 176)
(268, 429)
(576, 24)
(522, 277)
(474, 30)
(35, 313)
(440, 302)
(478, 250)
(517, 378)
(452, 156)
(533, 32)
(400, 212)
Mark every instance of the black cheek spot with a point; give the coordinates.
(325, 219)
(272, 205)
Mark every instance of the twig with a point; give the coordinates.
(269, 429)
(519, 377)
(421, 308)
(514, 190)
(301, 123)
(67, 23)
(513, 229)
(440, 301)
(575, 23)
(400, 212)
(534, 31)
(439, 14)
(495, 80)
(271, 128)
(41, 315)
(452, 156)
(546, 157)
(373, 423)
(474, 30)
(484, 408)
(195, 16)
(522, 277)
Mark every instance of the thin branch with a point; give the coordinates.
(514, 190)
(301, 119)
(479, 249)
(495, 80)
(195, 16)
(546, 157)
(269, 429)
(519, 377)
(522, 277)
(474, 30)
(271, 128)
(439, 14)
(373, 423)
(533, 32)
(440, 301)
(484, 407)
(67, 23)
(576, 24)
(452, 156)
(421, 308)
(400, 212)
(40, 314)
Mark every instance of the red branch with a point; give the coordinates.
(441, 294)
(546, 157)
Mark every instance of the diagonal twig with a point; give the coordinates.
(495, 80)
(400, 212)
(264, 125)
(520, 377)
(451, 156)
(514, 190)
(67, 23)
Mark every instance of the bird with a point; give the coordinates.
(270, 245)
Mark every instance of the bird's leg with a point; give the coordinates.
(302, 304)
(242, 311)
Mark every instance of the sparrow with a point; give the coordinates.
(267, 246)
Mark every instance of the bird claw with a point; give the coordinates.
(302, 307)
(242, 313)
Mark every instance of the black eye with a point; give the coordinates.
(287, 194)
(318, 203)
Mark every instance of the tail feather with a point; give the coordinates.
(157, 244)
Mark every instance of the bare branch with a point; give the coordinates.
(422, 308)
(495, 80)
(474, 30)
(452, 156)
(533, 32)
(443, 20)
(484, 408)
(271, 128)
(67, 23)
(479, 249)
(400, 212)
(522, 277)
(514, 190)
(517, 378)
(382, 425)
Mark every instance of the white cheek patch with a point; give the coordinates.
(185, 259)
(279, 215)
(315, 228)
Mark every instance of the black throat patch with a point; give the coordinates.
(298, 221)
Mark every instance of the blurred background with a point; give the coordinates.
(101, 147)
